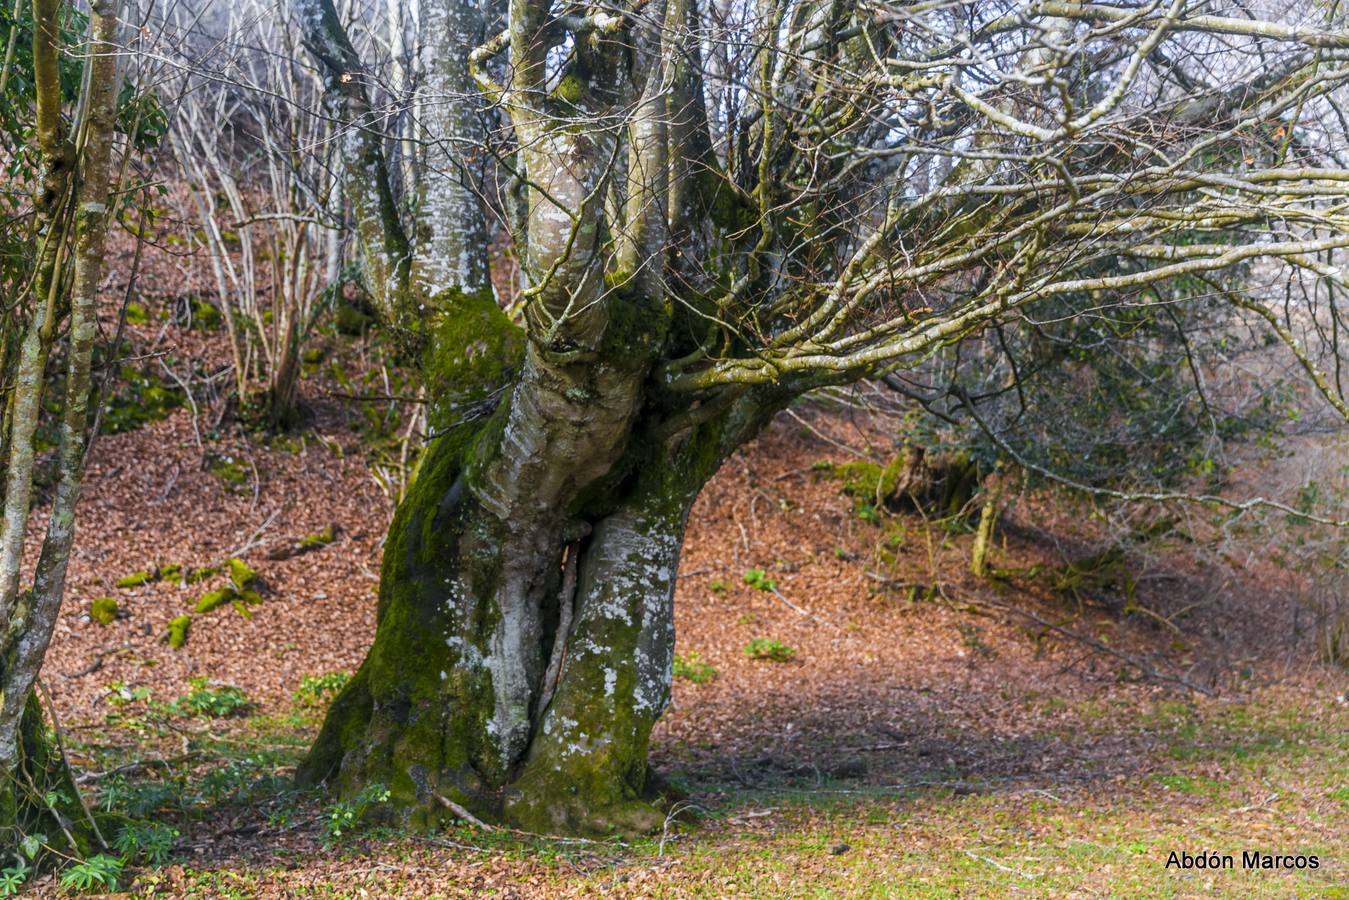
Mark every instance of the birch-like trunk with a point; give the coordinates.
(28, 768)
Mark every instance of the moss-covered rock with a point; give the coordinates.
(318, 539)
(241, 576)
(177, 632)
(136, 579)
(103, 610)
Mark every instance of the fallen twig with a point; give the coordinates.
(137, 766)
(98, 661)
(1254, 806)
(463, 813)
(997, 865)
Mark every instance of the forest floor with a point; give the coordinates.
(1055, 731)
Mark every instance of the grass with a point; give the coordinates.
(1225, 777)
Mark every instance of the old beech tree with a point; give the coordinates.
(716, 208)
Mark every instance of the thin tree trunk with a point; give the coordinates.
(24, 763)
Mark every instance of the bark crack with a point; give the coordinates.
(566, 612)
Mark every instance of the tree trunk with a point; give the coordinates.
(28, 768)
(525, 636)
(39, 796)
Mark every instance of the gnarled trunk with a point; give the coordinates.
(525, 635)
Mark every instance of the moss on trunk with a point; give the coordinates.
(39, 795)
(524, 638)
(586, 771)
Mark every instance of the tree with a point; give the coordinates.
(274, 254)
(716, 209)
(55, 284)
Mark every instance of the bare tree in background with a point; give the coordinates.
(716, 209)
(260, 176)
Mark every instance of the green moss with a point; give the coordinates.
(864, 479)
(726, 208)
(200, 574)
(570, 88)
(136, 579)
(243, 600)
(171, 572)
(240, 574)
(178, 630)
(212, 600)
(413, 716)
(319, 539)
(240, 598)
(351, 320)
(103, 610)
(229, 470)
(137, 314)
(141, 397)
(205, 315)
(473, 351)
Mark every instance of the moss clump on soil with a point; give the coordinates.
(103, 610)
(177, 631)
(141, 398)
(212, 600)
(241, 600)
(229, 470)
(205, 315)
(939, 484)
(137, 314)
(865, 479)
(171, 572)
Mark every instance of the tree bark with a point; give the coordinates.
(29, 617)
(525, 642)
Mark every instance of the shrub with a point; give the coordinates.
(313, 688)
(759, 580)
(345, 815)
(694, 669)
(215, 703)
(768, 649)
(95, 873)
